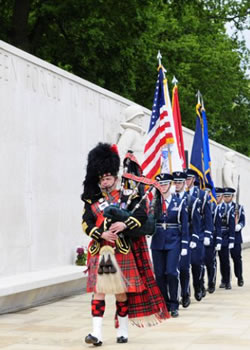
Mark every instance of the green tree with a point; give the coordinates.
(114, 44)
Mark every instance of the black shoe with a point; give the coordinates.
(211, 289)
(240, 282)
(90, 339)
(186, 301)
(222, 285)
(174, 313)
(121, 339)
(203, 292)
(228, 286)
(198, 295)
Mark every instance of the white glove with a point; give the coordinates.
(206, 241)
(184, 252)
(237, 227)
(218, 246)
(192, 245)
(231, 245)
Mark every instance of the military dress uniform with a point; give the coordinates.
(210, 251)
(228, 237)
(170, 239)
(193, 205)
(206, 229)
(236, 250)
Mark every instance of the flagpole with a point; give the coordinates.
(159, 57)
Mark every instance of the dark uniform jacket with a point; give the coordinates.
(227, 223)
(194, 218)
(216, 215)
(206, 214)
(241, 221)
(172, 226)
(94, 223)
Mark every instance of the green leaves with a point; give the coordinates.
(115, 43)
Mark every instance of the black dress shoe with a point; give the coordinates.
(198, 295)
(185, 301)
(121, 340)
(211, 289)
(240, 282)
(228, 286)
(174, 313)
(90, 339)
(222, 285)
(203, 292)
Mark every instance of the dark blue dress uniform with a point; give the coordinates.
(170, 238)
(210, 251)
(228, 236)
(197, 255)
(236, 251)
(193, 205)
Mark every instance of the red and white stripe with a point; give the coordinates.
(159, 136)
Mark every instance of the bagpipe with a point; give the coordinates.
(133, 181)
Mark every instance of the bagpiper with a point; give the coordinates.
(118, 259)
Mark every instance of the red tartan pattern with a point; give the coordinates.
(132, 279)
(110, 198)
(122, 308)
(97, 308)
(144, 296)
(150, 301)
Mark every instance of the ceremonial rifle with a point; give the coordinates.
(237, 207)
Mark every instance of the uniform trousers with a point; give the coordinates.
(224, 264)
(197, 263)
(211, 264)
(185, 262)
(166, 264)
(237, 259)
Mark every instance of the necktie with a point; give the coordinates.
(178, 195)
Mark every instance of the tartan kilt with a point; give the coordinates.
(147, 307)
(127, 264)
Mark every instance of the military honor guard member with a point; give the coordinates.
(118, 262)
(193, 205)
(170, 241)
(215, 244)
(206, 229)
(240, 221)
(228, 236)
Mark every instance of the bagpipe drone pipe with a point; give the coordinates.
(115, 213)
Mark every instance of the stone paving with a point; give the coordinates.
(221, 321)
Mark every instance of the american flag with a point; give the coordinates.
(160, 131)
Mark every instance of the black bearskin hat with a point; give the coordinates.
(103, 159)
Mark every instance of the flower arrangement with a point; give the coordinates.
(81, 256)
